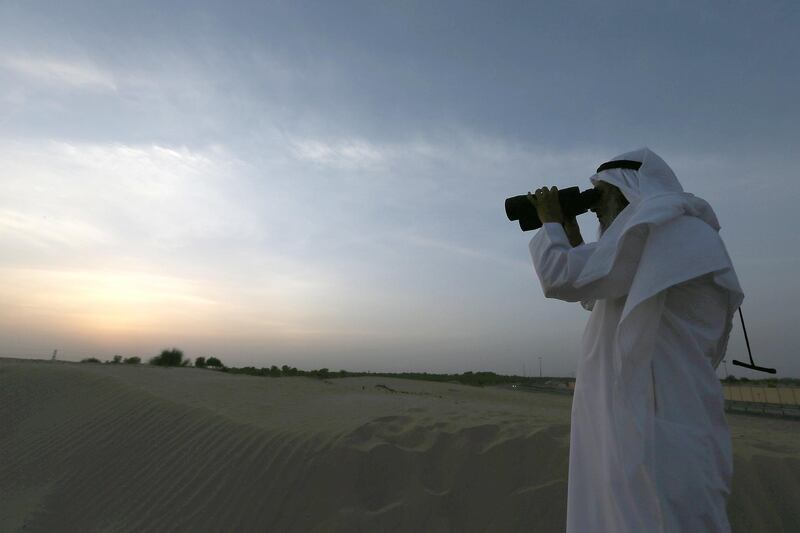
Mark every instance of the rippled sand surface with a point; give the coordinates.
(136, 448)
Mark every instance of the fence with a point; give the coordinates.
(763, 400)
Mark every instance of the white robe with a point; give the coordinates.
(650, 449)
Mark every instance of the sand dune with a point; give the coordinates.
(125, 448)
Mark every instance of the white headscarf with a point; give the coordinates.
(655, 197)
(654, 231)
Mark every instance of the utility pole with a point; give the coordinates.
(55, 352)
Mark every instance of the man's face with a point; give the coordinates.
(611, 204)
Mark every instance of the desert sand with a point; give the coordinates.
(89, 447)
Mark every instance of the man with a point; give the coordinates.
(650, 449)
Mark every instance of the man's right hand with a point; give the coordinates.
(547, 205)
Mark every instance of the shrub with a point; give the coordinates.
(132, 360)
(200, 362)
(214, 362)
(117, 359)
(173, 357)
(90, 360)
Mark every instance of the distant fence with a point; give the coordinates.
(759, 399)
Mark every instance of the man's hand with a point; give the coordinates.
(547, 205)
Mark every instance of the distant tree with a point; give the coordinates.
(323, 373)
(132, 360)
(90, 360)
(274, 371)
(214, 362)
(117, 359)
(200, 362)
(173, 357)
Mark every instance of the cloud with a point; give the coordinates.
(45, 231)
(119, 194)
(463, 251)
(58, 71)
(342, 154)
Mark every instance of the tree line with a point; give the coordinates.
(167, 357)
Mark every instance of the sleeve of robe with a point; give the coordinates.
(558, 265)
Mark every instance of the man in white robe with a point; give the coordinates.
(650, 449)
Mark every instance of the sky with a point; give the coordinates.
(321, 184)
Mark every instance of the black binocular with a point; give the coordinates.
(573, 203)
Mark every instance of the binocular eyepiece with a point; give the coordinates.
(573, 203)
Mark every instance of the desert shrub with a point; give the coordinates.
(214, 362)
(132, 360)
(200, 362)
(173, 357)
(117, 359)
(90, 360)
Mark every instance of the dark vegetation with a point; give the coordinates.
(115, 361)
(467, 378)
(175, 357)
(768, 382)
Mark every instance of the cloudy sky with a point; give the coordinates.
(322, 183)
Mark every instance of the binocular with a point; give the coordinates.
(573, 203)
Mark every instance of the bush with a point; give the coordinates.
(173, 357)
(200, 362)
(132, 360)
(214, 362)
(90, 360)
(117, 359)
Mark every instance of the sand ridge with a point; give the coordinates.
(135, 448)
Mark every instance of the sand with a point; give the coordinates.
(88, 447)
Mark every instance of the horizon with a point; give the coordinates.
(322, 185)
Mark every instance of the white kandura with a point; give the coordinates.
(650, 448)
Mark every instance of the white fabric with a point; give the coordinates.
(650, 449)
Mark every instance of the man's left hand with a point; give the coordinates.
(547, 205)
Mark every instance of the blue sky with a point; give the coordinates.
(322, 184)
